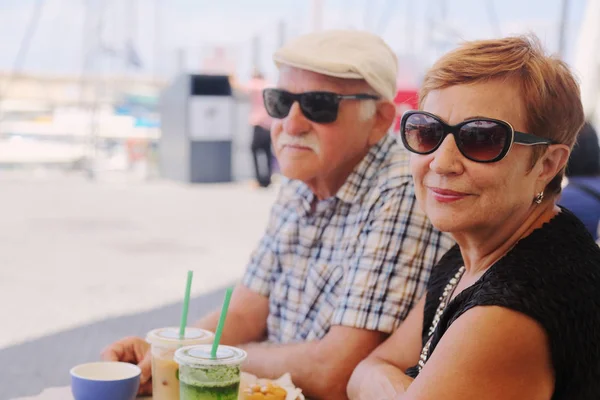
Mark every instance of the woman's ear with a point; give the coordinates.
(384, 117)
(553, 161)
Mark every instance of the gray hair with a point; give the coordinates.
(367, 110)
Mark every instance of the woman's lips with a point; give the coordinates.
(446, 195)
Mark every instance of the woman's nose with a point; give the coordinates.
(447, 159)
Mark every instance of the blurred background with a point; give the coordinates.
(125, 149)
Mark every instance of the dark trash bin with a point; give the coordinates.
(197, 122)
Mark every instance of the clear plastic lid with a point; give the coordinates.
(169, 337)
(200, 356)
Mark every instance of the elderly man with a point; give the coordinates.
(346, 253)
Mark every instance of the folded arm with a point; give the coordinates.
(405, 241)
(490, 353)
(381, 375)
(321, 367)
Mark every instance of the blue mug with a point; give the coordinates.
(105, 380)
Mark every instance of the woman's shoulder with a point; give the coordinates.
(552, 276)
(558, 255)
(563, 240)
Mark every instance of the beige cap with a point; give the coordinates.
(350, 54)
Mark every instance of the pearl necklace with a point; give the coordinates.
(444, 300)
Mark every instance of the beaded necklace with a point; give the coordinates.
(444, 300)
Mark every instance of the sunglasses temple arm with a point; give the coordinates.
(361, 96)
(527, 138)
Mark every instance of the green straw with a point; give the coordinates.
(186, 303)
(219, 331)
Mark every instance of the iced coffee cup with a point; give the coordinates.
(164, 342)
(202, 377)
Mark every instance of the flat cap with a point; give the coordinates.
(350, 54)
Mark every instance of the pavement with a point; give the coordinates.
(83, 263)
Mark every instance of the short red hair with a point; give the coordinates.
(548, 88)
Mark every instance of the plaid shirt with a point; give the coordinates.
(359, 259)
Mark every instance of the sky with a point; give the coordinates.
(161, 30)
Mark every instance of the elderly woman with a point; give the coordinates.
(513, 310)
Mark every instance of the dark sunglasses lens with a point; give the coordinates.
(422, 133)
(483, 140)
(277, 103)
(320, 107)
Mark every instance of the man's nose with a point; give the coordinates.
(296, 123)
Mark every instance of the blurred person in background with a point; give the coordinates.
(261, 124)
(346, 252)
(582, 193)
(513, 310)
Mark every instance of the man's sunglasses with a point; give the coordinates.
(319, 107)
(483, 140)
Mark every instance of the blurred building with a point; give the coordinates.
(67, 120)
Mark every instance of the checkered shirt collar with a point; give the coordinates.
(354, 187)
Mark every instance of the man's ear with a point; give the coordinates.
(552, 162)
(384, 117)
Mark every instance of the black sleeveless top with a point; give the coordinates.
(552, 276)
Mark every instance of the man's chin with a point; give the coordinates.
(295, 173)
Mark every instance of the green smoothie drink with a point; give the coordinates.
(202, 377)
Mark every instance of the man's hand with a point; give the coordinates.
(246, 322)
(133, 350)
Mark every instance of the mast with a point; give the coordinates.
(317, 15)
(587, 62)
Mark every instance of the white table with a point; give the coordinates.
(64, 393)
(59, 393)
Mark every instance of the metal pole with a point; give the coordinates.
(564, 14)
(280, 34)
(181, 61)
(84, 52)
(255, 52)
(410, 28)
(92, 64)
(317, 15)
(94, 37)
(157, 36)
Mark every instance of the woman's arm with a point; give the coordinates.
(375, 378)
(381, 375)
(490, 353)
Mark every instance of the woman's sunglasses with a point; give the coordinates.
(479, 139)
(319, 107)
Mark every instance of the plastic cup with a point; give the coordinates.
(164, 342)
(202, 377)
